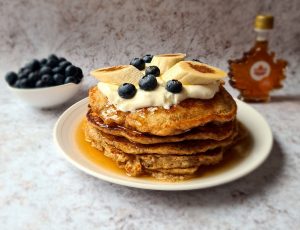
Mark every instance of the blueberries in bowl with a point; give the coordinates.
(70, 79)
(52, 57)
(59, 79)
(58, 69)
(40, 84)
(11, 78)
(34, 76)
(23, 83)
(43, 61)
(48, 80)
(24, 73)
(64, 64)
(52, 63)
(46, 72)
(79, 75)
(32, 79)
(61, 59)
(33, 65)
(71, 70)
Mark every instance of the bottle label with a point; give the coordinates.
(259, 70)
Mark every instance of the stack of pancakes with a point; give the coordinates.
(167, 144)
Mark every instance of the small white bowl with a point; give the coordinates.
(47, 97)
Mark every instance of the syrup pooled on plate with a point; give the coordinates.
(232, 157)
(93, 154)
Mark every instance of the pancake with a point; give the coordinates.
(210, 131)
(178, 148)
(168, 164)
(165, 176)
(150, 161)
(180, 118)
(174, 175)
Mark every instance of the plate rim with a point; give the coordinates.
(162, 187)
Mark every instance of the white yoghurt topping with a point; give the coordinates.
(158, 97)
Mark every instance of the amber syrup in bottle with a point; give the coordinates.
(257, 72)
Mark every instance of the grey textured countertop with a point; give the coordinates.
(40, 190)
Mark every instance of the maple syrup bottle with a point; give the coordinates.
(257, 72)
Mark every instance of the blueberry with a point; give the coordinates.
(52, 57)
(17, 83)
(28, 66)
(61, 59)
(23, 83)
(58, 69)
(40, 84)
(45, 70)
(154, 70)
(148, 58)
(138, 63)
(24, 74)
(33, 65)
(71, 70)
(43, 61)
(70, 79)
(59, 79)
(79, 74)
(80, 70)
(32, 78)
(52, 63)
(30, 84)
(11, 78)
(127, 90)
(64, 64)
(26, 71)
(148, 82)
(174, 86)
(21, 70)
(48, 80)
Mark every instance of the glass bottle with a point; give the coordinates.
(257, 72)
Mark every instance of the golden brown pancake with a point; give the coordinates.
(152, 161)
(209, 131)
(178, 119)
(166, 164)
(180, 148)
(166, 176)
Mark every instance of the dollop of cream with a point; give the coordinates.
(158, 97)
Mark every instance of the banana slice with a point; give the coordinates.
(166, 61)
(118, 74)
(193, 73)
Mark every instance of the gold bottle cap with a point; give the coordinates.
(264, 22)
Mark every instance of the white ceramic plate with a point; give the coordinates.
(64, 137)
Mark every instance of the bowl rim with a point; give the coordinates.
(43, 88)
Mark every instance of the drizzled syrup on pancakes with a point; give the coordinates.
(232, 156)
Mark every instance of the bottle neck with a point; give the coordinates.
(262, 35)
